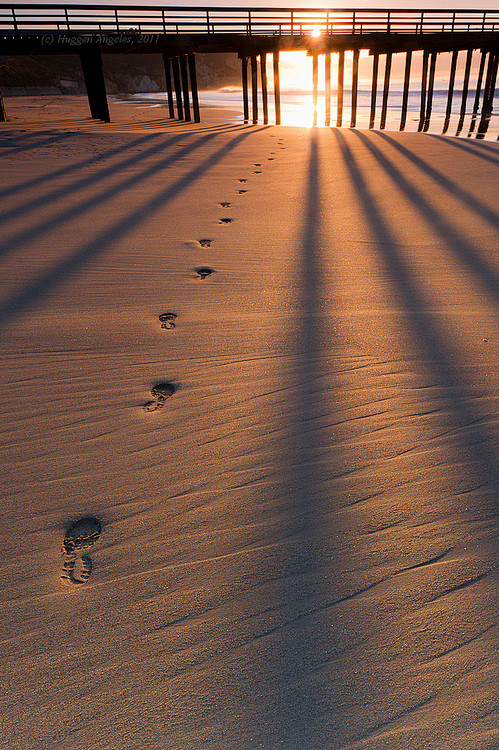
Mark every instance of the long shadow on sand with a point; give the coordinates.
(96, 201)
(467, 198)
(55, 174)
(457, 243)
(311, 637)
(472, 441)
(471, 147)
(60, 272)
(37, 143)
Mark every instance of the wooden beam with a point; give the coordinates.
(254, 89)
(488, 94)
(91, 63)
(244, 76)
(464, 97)
(315, 82)
(478, 91)
(386, 90)
(169, 91)
(327, 76)
(185, 87)
(424, 83)
(405, 95)
(263, 75)
(178, 88)
(374, 90)
(355, 86)
(341, 76)
(277, 88)
(450, 91)
(191, 60)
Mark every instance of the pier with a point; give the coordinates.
(179, 33)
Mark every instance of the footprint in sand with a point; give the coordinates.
(257, 165)
(205, 242)
(225, 204)
(204, 271)
(257, 172)
(161, 391)
(242, 191)
(80, 536)
(226, 221)
(242, 180)
(271, 158)
(167, 320)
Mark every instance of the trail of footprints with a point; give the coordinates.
(82, 534)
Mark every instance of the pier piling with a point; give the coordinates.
(386, 89)
(91, 64)
(450, 92)
(341, 76)
(374, 90)
(478, 91)
(191, 60)
(424, 83)
(488, 94)
(315, 82)
(244, 80)
(263, 75)
(254, 89)
(355, 86)
(464, 97)
(431, 86)
(327, 78)
(405, 95)
(178, 89)
(185, 87)
(277, 88)
(169, 90)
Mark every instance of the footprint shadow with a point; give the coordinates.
(80, 536)
(161, 391)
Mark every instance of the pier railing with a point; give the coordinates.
(29, 17)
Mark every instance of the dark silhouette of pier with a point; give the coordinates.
(178, 33)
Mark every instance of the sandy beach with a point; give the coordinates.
(292, 485)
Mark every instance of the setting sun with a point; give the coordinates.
(316, 32)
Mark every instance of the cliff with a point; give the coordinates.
(124, 74)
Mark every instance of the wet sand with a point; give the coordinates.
(291, 492)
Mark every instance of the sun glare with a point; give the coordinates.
(316, 33)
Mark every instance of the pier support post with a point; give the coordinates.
(315, 82)
(254, 90)
(478, 91)
(341, 76)
(178, 88)
(244, 80)
(374, 90)
(355, 86)
(327, 78)
(191, 60)
(185, 87)
(277, 88)
(450, 92)
(424, 81)
(488, 94)
(466, 83)
(405, 95)
(91, 64)
(169, 91)
(431, 85)
(386, 90)
(3, 116)
(263, 74)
